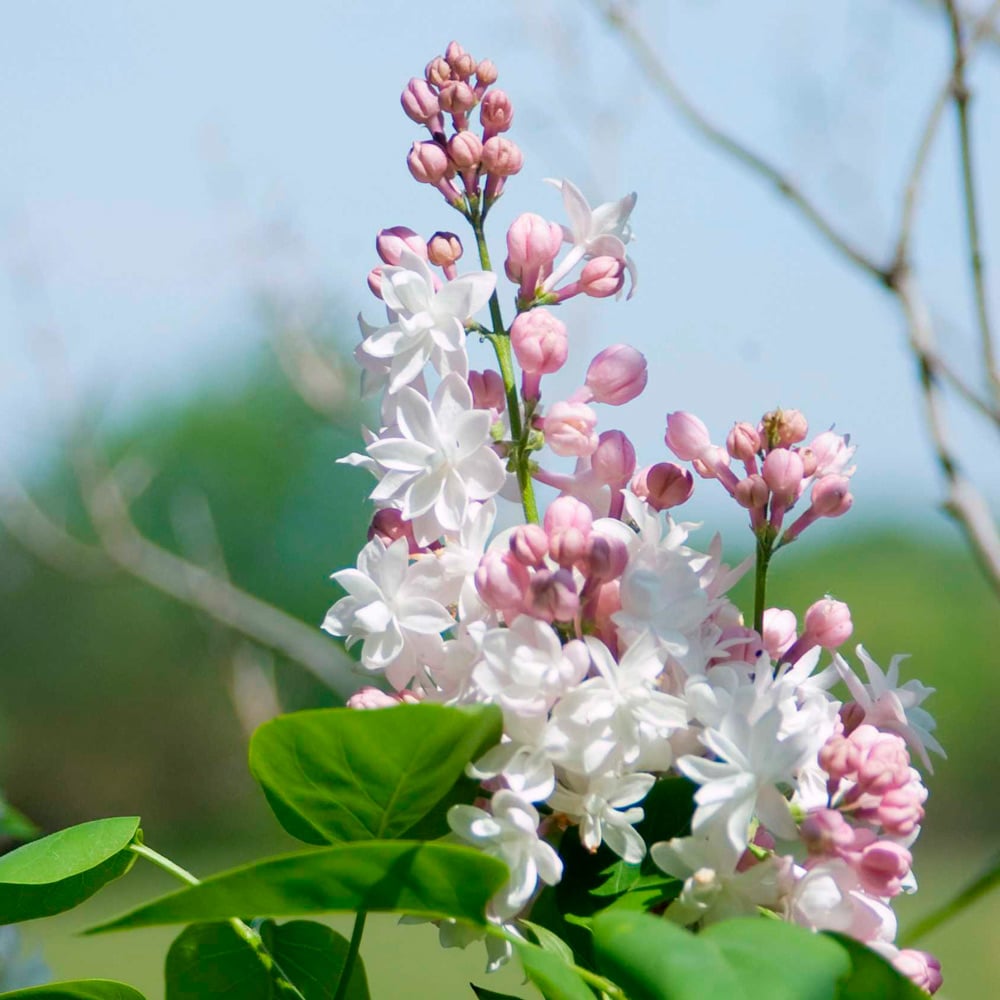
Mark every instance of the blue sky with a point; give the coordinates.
(143, 146)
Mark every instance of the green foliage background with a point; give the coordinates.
(115, 698)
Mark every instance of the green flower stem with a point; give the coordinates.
(244, 930)
(352, 954)
(500, 339)
(765, 548)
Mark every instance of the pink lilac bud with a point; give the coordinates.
(828, 623)
(752, 492)
(743, 442)
(687, 437)
(778, 631)
(663, 485)
(372, 697)
(388, 524)
(502, 581)
(825, 832)
(552, 596)
(570, 429)
(487, 390)
(782, 471)
(445, 250)
(882, 867)
(617, 375)
(462, 65)
(420, 102)
(901, 811)
(783, 428)
(742, 645)
(457, 98)
(501, 157)
(486, 73)
(540, 345)
(831, 497)
(568, 524)
(466, 151)
(454, 53)
(605, 558)
(532, 246)
(713, 463)
(921, 967)
(601, 277)
(601, 609)
(428, 163)
(883, 763)
(496, 114)
(529, 544)
(390, 244)
(375, 282)
(438, 72)
(613, 461)
(809, 461)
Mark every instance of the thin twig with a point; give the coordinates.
(960, 96)
(667, 85)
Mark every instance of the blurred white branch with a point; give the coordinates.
(964, 502)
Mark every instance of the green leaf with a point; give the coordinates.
(745, 959)
(553, 977)
(78, 989)
(209, 960)
(871, 975)
(484, 994)
(334, 775)
(427, 880)
(14, 824)
(59, 871)
(549, 942)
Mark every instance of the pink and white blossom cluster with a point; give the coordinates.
(609, 642)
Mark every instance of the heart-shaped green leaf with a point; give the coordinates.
(59, 871)
(428, 880)
(549, 972)
(338, 774)
(78, 989)
(209, 960)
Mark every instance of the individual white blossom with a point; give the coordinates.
(439, 461)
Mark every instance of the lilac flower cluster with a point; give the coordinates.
(607, 641)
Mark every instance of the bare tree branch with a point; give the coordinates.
(960, 93)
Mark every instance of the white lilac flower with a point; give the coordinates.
(440, 461)
(713, 887)
(524, 669)
(598, 805)
(752, 763)
(594, 232)
(460, 556)
(427, 325)
(388, 608)
(510, 834)
(891, 706)
(525, 768)
(448, 678)
(618, 716)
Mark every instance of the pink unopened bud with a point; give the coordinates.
(663, 485)
(921, 967)
(826, 832)
(782, 471)
(465, 150)
(828, 623)
(390, 244)
(883, 761)
(752, 492)
(529, 544)
(838, 756)
(454, 54)
(502, 581)
(419, 101)
(444, 249)
(486, 73)
(882, 867)
(713, 463)
(831, 496)
(901, 810)
(438, 72)
(487, 390)
(617, 375)
(743, 442)
(600, 609)
(372, 697)
(532, 245)
(375, 282)
(568, 523)
(552, 596)
(605, 558)
(570, 429)
(428, 163)
(687, 437)
(501, 157)
(613, 461)
(601, 277)
(778, 631)
(742, 645)
(783, 428)
(388, 524)
(456, 97)
(496, 113)
(809, 461)
(540, 345)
